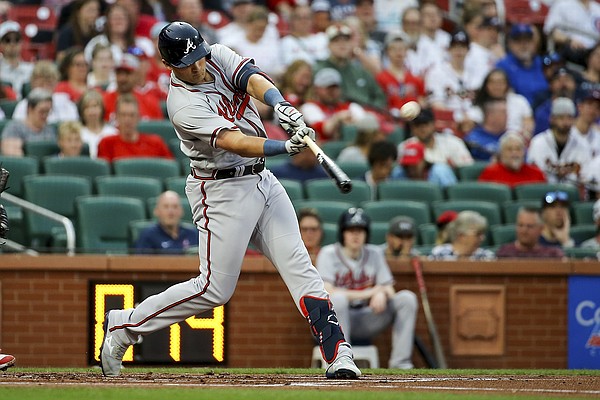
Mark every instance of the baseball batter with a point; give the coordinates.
(234, 199)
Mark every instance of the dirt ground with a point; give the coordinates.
(540, 385)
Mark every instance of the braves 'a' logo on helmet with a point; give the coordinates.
(189, 46)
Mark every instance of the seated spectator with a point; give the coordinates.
(167, 236)
(410, 29)
(443, 222)
(585, 127)
(382, 165)
(45, 76)
(34, 128)
(510, 167)
(91, 115)
(127, 79)
(594, 242)
(102, 69)
(321, 15)
(591, 178)
(367, 52)
(296, 83)
(80, 28)
(416, 167)
(557, 221)
(368, 132)
(466, 234)
(483, 140)
(73, 74)
(434, 41)
(440, 148)
(301, 43)
(142, 15)
(13, 68)
(191, 11)
(527, 244)
(129, 142)
(562, 84)
(561, 156)
(240, 11)
(361, 288)
(388, 13)
(301, 167)
(522, 65)
(400, 239)
(484, 52)
(590, 76)
(311, 230)
(69, 139)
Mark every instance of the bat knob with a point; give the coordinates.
(345, 186)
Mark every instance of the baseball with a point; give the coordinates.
(410, 110)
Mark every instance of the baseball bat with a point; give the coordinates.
(340, 178)
(435, 337)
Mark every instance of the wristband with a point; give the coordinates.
(273, 96)
(274, 147)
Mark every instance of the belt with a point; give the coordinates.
(233, 172)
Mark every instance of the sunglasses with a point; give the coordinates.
(11, 39)
(552, 197)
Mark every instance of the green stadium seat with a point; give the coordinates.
(141, 188)
(176, 184)
(329, 211)
(378, 231)
(41, 149)
(511, 208)
(325, 189)
(582, 212)
(397, 136)
(471, 172)
(161, 127)
(502, 234)
(293, 188)
(536, 191)
(348, 133)
(160, 168)
(489, 210)
(409, 190)
(178, 154)
(333, 148)
(19, 167)
(581, 233)
(385, 210)
(83, 166)
(354, 170)
(427, 234)
(583, 253)
(494, 192)
(330, 233)
(8, 106)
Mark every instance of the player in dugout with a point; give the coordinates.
(6, 360)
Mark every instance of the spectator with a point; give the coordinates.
(519, 115)
(562, 84)
(416, 167)
(528, 231)
(191, 11)
(560, 155)
(591, 177)
(382, 162)
(301, 43)
(158, 73)
(127, 77)
(358, 84)
(410, 29)
(571, 26)
(400, 239)
(591, 74)
(296, 82)
(443, 222)
(80, 28)
(594, 242)
(483, 140)
(129, 142)
(141, 16)
(91, 115)
(467, 233)
(557, 221)
(301, 167)
(236, 29)
(361, 289)
(365, 13)
(45, 76)
(440, 148)
(101, 75)
(368, 132)
(397, 83)
(311, 230)
(69, 139)
(341, 9)
(73, 74)
(327, 113)
(34, 128)
(585, 127)
(510, 168)
(167, 236)
(522, 66)
(12, 66)
(388, 13)
(485, 51)
(366, 51)
(321, 15)
(433, 41)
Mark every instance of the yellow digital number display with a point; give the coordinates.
(107, 296)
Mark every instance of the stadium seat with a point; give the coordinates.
(330, 233)
(82, 166)
(8, 106)
(409, 190)
(141, 188)
(471, 172)
(325, 189)
(486, 191)
(489, 210)
(161, 127)
(427, 234)
(581, 233)
(181, 158)
(536, 191)
(348, 133)
(502, 234)
(333, 148)
(19, 167)
(583, 253)
(511, 208)
(56, 193)
(293, 188)
(385, 210)
(329, 211)
(38, 23)
(176, 184)
(378, 232)
(41, 149)
(104, 222)
(160, 168)
(354, 170)
(396, 136)
(582, 212)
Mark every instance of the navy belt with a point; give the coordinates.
(234, 172)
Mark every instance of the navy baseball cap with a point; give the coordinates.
(459, 38)
(556, 197)
(518, 31)
(551, 59)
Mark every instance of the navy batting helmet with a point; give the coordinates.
(353, 218)
(181, 45)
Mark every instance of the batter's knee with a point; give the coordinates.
(405, 300)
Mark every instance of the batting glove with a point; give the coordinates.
(294, 145)
(3, 224)
(289, 118)
(305, 131)
(4, 174)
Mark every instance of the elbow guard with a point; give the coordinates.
(244, 74)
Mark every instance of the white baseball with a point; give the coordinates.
(410, 110)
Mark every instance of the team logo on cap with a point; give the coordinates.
(190, 46)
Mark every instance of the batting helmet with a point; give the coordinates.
(181, 45)
(353, 218)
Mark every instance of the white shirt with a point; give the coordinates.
(592, 174)
(388, 13)
(591, 138)
(517, 108)
(92, 139)
(266, 52)
(447, 149)
(63, 109)
(16, 76)
(575, 20)
(309, 48)
(431, 52)
(447, 86)
(478, 62)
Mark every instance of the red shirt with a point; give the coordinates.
(498, 173)
(400, 93)
(149, 106)
(66, 87)
(114, 147)
(328, 111)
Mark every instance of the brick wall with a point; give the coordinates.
(44, 312)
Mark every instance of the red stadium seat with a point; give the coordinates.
(38, 24)
(525, 11)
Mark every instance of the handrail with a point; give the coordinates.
(34, 208)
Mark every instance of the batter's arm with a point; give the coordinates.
(238, 143)
(258, 86)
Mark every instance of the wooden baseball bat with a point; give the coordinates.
(342, 181)
(435, 337)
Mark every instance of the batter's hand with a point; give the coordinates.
(3, 224)
(295, 144)
(289, 118)
(4, 174)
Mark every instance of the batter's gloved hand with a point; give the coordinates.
(3, 224)
(4, 174)
(295, 144)
(305, 131)
(289, 118)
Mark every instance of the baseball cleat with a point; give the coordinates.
(343, 368)
(111, 352)
(6, 361)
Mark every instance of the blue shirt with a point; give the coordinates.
(155, 240)
(541, 116)
(481, 143)
(527, 81)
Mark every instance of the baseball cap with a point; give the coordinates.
(327, 77)
(335, 31)
(459, 38)
(552, 58)
(562, 72)
(320, 6)
(413, 153)
(562, 106)
(596, 211)
(9, 27)
(129, 62)
(491, 22)
(591, 94)
(424, 117)
(520, 31)
(402, 226)
(445, 218)
(555, 197)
